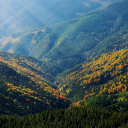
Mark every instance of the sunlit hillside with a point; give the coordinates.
(102, 77)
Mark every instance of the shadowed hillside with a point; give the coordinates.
(26, 86)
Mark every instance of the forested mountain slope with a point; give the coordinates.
(26, 86)
(72, 42)
(101, 81)
(83, 64)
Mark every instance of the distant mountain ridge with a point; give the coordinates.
(37, 13)
(72, 42)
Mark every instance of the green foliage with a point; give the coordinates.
(79, 117)
(116, 102)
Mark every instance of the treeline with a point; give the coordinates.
(75, 117)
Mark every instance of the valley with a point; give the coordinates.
(64, 64)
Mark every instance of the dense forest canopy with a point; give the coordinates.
(64, 64)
